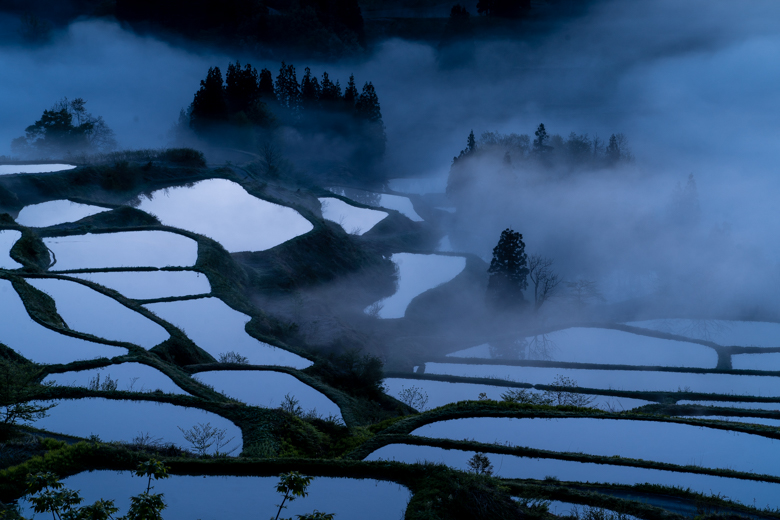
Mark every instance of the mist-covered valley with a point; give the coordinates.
(363, 238)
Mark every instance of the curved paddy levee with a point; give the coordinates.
(38, 343)
(722, 332)
(268, 389)
(748, 492)
(218, 497)
(416, 274)
(123, 420)
(218, 329)
(56, 212)
(398, 203)
(672, 443)
(597, 345)
(440, 393)
(352, 219)
(10, 169)
(88, 311)
(769, 361)
(775, 423)
(150, 285)
(8, 238)
(131, 377)
(631, 380)
(735, 404)
(122, 249)
(223, 210)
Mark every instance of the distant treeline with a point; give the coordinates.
(248, 99)
(577, 151)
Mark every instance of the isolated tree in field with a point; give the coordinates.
(543, 278)
(508, 270)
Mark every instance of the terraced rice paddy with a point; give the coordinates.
(224, 211)
(55, 212)
(123, 420)
(88, 311)
(750, 492)
(130, 377)
(10, 169)
(604, 346)
(214, 497)
(219, 329)
(38, 343)
(7, 240)
(352, 219)
(122, 249)
(268, 389)
(417, 274)
(148, 285)
(722, 332)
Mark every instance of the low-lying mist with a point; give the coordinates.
(690, 84)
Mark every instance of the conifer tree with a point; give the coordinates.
(209, 105)
(241, 87)
(367, 106)
(287, 90)
(351, 92)
(612, 152)
(329, 91)
(472, 142)
(508, 270)
(541, 138)
(310, 90)
(265, 84)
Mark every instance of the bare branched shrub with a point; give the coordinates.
(204, 436)
(414, 397)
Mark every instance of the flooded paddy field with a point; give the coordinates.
(149, 285)
(130, 377)
(351, 218)
(55, 212)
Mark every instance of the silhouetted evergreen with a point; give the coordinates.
(540, 143)
(330, 93)
(310, 90)
(265, 84)
(508, 270)
(367, 105)
(351, 92)
(210, 103)
(288, 92)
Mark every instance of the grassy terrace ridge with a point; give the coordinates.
(425, 480)
(647, 395)
(596, 366)
(533, 453)
(477, 409)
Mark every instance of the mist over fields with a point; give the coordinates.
(690, 85)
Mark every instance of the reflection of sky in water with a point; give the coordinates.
(7, 240)
(224, 211)
(351, 218)
(217, 497)
(441, 392)
(119, 420)
(750, 420)
(267, 389)
(735, 404)
(417, 274)
(722, 332)
(89, 311)
(620, 379)
(7, 169)
(55, 212)
(123, 249)
(401, 204)
(37, 343)
(218, 329)
(147, 285)
(608, 346)
(508, 466)
(769, 361)
(680, 444)
(134, 377)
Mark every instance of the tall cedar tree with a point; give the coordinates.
(287, 89)
(367, 106)
(310, 90)
(265, 85)
(330, 93)
(508, 270)
(351, 92)
(241, 87)
(210, 105)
